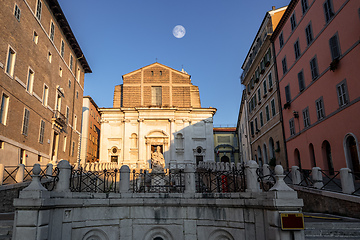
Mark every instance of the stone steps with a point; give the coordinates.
(332, 230)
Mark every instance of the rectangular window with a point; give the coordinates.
(320, 108)
(252, 128)
(78, 74)
(17, 12)
(270, 80)
(10, 62)
(284, 65)
(264, 88)
(261, 119)
(297, 49)
(293, 21)
(38, 10)
(52, 31)
(273, 109)
(342, 93)
(4, 108)
(301, 81)
(314, 68)
(309, 34)
(71, 62)
(267, 113)
(58, 102)
(42, 131)
(45, 95)
(69, 83)
(26, 122)
(287, 93)
(49, 57)
(256, 125)
(156, 96)
(60, 72)
(30, 81)
(259, 95)
(67, 115)
(292, 126)
(306, 117)
(64, 146)
(73, 149)
(35, 37)
(304, 6)
(62, 48)
(75, 122)
(334, 47)
(328, 10)
(281, 40)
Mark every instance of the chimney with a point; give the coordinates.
(273, 7)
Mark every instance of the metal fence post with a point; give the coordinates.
(20, 173)
(317, 177)
(347, 181)
(295, 175)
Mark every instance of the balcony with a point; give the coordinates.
(59, 119)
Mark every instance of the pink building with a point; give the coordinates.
(318, 57)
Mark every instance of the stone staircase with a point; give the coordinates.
(328, 228)
(6, 225)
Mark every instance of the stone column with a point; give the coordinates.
(209, 135)
(172, 140)
(141, 144)
(317, 177)
(20, 173)
(347, 181)
(295, 175)
(124, 185)
(189, 178)
(252, 184)
(188, 152)
(63, 185)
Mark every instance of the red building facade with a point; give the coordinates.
(318, 55)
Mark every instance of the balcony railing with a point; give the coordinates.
(59, 118)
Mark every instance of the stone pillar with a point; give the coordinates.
(141, 144)
(189, 178)
(280, 185)
(252, 184)
(317, 177)
(266, 170)
(347, 181)
(295, 175)
(35, 184)
(2, 170)
(63, 185)
(124, 184)
(188, 152)
(20, 173)
(49, 169)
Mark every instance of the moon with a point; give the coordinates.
(179, 31)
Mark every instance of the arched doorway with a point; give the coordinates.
(326, 150)
(351, 154)
(260, 161)
(297, 158)
(312, 155)
(225, 159)
(266, 160)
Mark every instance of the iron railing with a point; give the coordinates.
(10, 173)
(104, 181)
(169, 181)
(208, 181)
(266, 181)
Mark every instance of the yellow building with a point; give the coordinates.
(226, 147)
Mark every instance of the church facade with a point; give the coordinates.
(156, 109)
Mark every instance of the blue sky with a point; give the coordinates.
(120, 36)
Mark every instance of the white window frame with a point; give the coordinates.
(320, 109)
(71, 62)
(306, 117)
(64, 146)
(42, 131)
(17, 12)
(62, 48)
(342, 93)
(38, 10)
(30, 80)
(25, 124)
(267, 113)
(4, 107)
(52, 31)
(10, 62)
(273, 107)
(45, 97)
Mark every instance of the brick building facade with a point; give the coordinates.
(41, 83)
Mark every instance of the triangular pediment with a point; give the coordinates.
(156, 64)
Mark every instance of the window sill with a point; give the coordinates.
(20, 82)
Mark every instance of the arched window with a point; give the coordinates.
(179, 141)
(326, 150)
(225, 159)
(271, 148)
(266, 160)
(352, 154)
(297, 158)
(260, 161)
(312, 155)
(134, 140)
